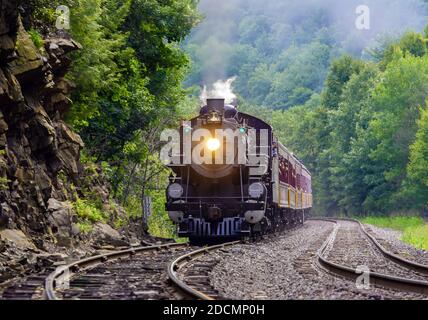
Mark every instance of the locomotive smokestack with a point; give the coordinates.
(216, 105)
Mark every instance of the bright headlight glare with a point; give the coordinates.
(213, 144)
(256, 190)
(175, 191)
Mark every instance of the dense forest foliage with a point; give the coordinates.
(128, 79)
(364, 137)
(280, 51)
(350, 103)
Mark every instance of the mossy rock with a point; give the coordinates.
(29, 58)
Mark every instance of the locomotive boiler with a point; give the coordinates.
(231, 177)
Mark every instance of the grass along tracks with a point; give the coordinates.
(414, 230)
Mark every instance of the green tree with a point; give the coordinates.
(95, 24)
(417, 183)
(324, 168)
(411, 43)
(350, 120)
(397, 98)
(339, 74)
(302, 76)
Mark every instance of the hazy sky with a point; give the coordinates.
(218, 32)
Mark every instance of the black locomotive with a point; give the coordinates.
(232, 178)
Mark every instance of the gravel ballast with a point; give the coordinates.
(353, 248)
(284, 267)
(390, 240)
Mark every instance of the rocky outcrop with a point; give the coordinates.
(62, 221)
(26, 62)
(41, 175)
(40, 171)
(103, 234)
(18, 238)
(8, 29)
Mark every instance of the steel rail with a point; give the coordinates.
(379, 279)
(175, 266)
(67, 271)
(416, 266)
(394, 257)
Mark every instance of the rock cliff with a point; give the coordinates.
(40, 172)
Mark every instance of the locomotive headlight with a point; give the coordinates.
(175, 191)
(256, 190)
(213, 144)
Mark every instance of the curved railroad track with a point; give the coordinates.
(136, 273)
(416, 281)
(195, 281)
(152, 272)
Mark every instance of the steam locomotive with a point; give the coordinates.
(231, 177)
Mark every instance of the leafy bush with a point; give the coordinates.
(46, 15)
(89, 211)
(85, 227)
(119, 223)
(4, 183)
(36, 38)
(159, 223)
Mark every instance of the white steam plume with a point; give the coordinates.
(222, 89)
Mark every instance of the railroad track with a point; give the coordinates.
(389, 281)
(194, 281)
(179, 271)
(139, 273)
(136, 273)
(31, 288)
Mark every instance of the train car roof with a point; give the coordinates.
(256, 118)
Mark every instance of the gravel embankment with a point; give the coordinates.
(285, 268)
(390, 240)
